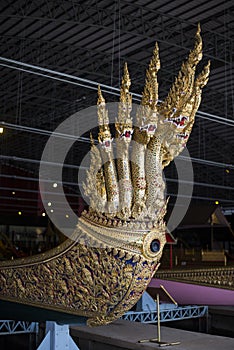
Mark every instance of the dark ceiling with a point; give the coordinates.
(54, 53)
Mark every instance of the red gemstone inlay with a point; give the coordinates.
(152, 127)
(182, 121)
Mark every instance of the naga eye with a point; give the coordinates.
(155, 245)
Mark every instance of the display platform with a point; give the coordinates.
(125, 335)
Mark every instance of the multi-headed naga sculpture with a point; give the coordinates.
(119, 241)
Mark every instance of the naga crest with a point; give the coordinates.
(125, 183)
(128, 187)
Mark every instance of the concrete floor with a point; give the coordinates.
(125, 335)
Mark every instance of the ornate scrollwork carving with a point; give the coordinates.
(222, 277)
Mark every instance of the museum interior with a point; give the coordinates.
(98, 100)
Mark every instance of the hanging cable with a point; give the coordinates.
(67, 81)
(119, 40)
(113, 45)
(89, 84)
(68, 183)
(188, 159)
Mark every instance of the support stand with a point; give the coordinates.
(57, 338)
(155, 294)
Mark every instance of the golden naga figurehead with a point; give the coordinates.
(118, 242)
(125, 185)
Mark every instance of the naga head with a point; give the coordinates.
(105, 139)
(104, 136)
(123, 124)
(124, 131)
(149, 122)
(179, 121)
(147, 116)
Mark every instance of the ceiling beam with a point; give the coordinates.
(74, 58)
(132, 19)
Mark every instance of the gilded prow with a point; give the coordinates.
(116, 247)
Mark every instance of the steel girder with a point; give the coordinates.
(166, 315)
(17, 327)
(213, 101)
(133, 19)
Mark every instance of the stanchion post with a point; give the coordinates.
(155, 293)
(158, 314)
